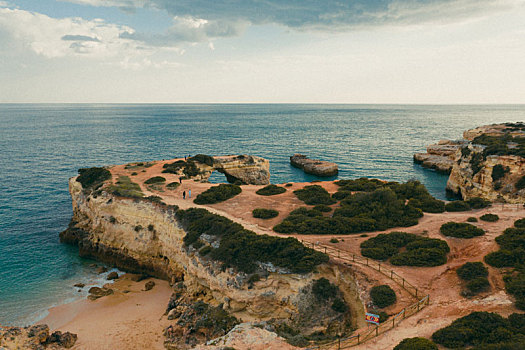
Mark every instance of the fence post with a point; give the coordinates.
(339, 343)
(377, 331)
(366, 261)
(353, 257)
(404, 311)
(403, 282)
(428, 299)
(391, 274)
(338, 253)
(393, 322)
(418, 306)
(379, 267)
(325, 250)
(358, 339)
(416, 294)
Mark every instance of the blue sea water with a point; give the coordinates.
(41, 146)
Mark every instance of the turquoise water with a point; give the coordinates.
(43, 145)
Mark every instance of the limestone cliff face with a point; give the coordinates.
(440, 157)
(141, 236)
(466, 182)
(314, 166)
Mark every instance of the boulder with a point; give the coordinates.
(79, 285)
(149, 285)
(137, 277)
(39, 332)
(97, 292)
(112, 276)
(314, 166)
(66, 340)
(102, 269)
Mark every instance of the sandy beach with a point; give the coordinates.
(131, 318)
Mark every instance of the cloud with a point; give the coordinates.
(52, 37)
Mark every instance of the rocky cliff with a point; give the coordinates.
(314, 166)
(142, 236)
(440, 156)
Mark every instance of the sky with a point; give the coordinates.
(262, 51)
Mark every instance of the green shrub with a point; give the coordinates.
(416, 344)
(154, 199)
(323, 289)
(457, 206)
(172, 185)
(323, 208)
(481, 329)
(472, 219)
(134, 173)
(419, 251)
(174, 168)
(288, 185)
(489, 217)
(429, 205)
(198, 244)
(334, 240)
(271, 190)
(313, 195)
(521, 183)
(339, 305)
(217, 194)
(151, 228)
(155, 180)
(520, 223)
(478, 284)
(460, 230)
(383, 296)
(205, 250)
(472, 270)
(124, 187)
(476, 163)
(501, 258)
(499, 171)
(242, 249)
(261, 213)
(138, 228)
(254, 278)
(478, 203)
(92, 177)
(202, 158)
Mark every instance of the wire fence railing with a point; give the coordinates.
(372, 332)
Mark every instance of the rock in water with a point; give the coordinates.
(149, 285)
(102, 269)
(112, 276)
(314, 166)
(79, 285)
(440, 156)
(96, 292)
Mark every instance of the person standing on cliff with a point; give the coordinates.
(184, 195)
(189, 193)
(180, 179)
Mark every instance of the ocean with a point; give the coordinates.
(42, 145)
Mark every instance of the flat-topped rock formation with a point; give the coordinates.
(489, 162)
(314, 166)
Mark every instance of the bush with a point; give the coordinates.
(520, 223)
(334, 240)
(501, 258)
(124, 187)
(477, 285)
(489, 217)
(261, 213)
(202, 158)
(323, 208)
(472, 270)
(460, 230)
(416, 344)
(154, 199)
(205, 250)
(457, 206)
(521, 183)
(172, 185)
(218, 194)
(383, 296)
(478, 203)
(242, 249)
(339, 305)
(429, 205)
(288, 185)
(92, 177)
(155, 180)
(271, 190)
(472, 219)
(499, 171)
(323, 289)
(313, 195)
(419, 251)
(481, 329)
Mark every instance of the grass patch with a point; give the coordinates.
(242, 249)
(218, 194)
(489, 217)
(261, 213)
(271, 190)
(483, 331)
(313, 195)
(383, 296)
(155, 180)
(461, 230)
(124, 187)
(419, 251)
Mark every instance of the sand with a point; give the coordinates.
(124, 320)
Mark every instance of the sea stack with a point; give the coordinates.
(314, 166)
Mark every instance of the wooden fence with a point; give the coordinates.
(363, 336)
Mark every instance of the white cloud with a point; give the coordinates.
(52, 37)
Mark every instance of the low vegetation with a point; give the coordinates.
(512, 255)
(383, 296)
(324, 291)
(499, 171)
(218, 194)
(520, 223)
(91, 178)
(323, 208)
(202, 158)
(475, 274)
(457, 206)
(155, 180)
(261, 213)
(418, 251)
(271, 190)
(461, 230)
(242, 249)
(483, 331)
(416, 344)
(124, 187)
(499, 145)
(489, 217)
(172, 185)
(313, 195)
